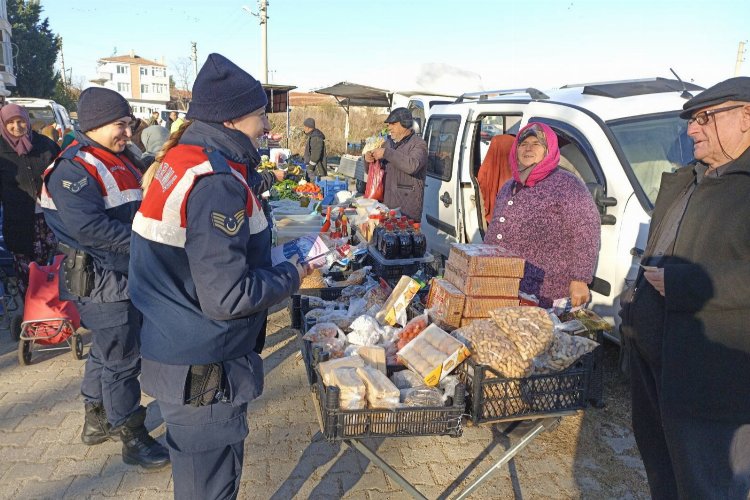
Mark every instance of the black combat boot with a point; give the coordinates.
(138, 447)
(96, 429)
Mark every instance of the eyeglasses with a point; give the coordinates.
(702, 117)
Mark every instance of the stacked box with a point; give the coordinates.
(446, 303)
(489, 276)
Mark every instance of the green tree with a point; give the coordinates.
(37, 49)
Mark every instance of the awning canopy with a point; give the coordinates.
(278, 97)
(352, 94)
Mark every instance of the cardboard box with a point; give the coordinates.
(480, 307)
(485, 260)
(447, 354)
(446, 303)
(481, 286)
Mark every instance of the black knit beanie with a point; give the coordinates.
(98, 106)
(223, 91)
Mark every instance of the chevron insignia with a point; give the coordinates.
(228, 224)
(75, 187)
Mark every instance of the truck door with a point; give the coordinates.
(441, 215)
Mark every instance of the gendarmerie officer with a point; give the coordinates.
(201, 274)
(90, 195)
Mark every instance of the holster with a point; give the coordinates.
(206, 385)
(77, 270)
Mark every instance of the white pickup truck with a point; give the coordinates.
(619, 137)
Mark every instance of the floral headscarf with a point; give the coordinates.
(551, 159)
(21, 145)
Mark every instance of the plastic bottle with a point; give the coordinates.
(377, 232)
(404, 242)
(418, 242)
(390, 243)
(327, 224)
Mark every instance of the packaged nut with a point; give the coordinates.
(529, 328)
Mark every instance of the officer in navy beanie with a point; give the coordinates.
(223, 91)
(98, 106)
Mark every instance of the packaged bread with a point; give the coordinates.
(381, 393)
(485, 260)
(394, 309)
(326, 367)
(352, 390)
(433, 354)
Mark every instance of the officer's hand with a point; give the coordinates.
(279, 174)
(656, 278)
(303, 268)
(378, 153)
(579, 293)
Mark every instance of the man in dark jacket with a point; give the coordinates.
(687, 319)
(404, 157)
(315, 150)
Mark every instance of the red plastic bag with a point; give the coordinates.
(375, 181)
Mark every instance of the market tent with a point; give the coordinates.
(353, 94)
(278, 101)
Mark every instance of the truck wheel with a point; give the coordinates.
(15, 327)
(76, 346)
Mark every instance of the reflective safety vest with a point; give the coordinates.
(162, 217)
(118, 179)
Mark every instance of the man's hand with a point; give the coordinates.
(656, 278)
(579, 293)
(368, 157)
(279, 174)
(378, 153)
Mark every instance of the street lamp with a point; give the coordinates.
(262, 15)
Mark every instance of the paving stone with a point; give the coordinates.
(43, 489)
(72, 451)
(43, 420)
(21, 454)
(95, 486)
(71, 468)
(25, 470)
(135, 479)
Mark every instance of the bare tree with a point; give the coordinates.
(182, 77)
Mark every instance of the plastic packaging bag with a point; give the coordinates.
(565, 350)
(422, 396)
(321, 331)
(448, 386)
(381, 393)
(413, 328)
(375, 187)
(326, 367)
(333, 346)
(406, 379)
(352, 390)
(365, 331)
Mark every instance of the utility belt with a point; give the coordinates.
(77, 270)
(206, 385)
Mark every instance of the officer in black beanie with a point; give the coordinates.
(89, 198)
(202, 276)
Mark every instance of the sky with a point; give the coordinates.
(419, 44)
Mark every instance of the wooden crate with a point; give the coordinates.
(485, 260)
(482, 286)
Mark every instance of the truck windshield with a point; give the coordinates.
(652, 145)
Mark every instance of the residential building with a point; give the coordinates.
(7, 72)
(143, 82)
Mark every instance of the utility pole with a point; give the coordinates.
(194, 56)
(262, 16)
(62, 62)
(740, 58)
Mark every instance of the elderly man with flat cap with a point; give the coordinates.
(687, 320)
(404, 156)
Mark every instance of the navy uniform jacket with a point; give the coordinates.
(89, 197)
(200, 268)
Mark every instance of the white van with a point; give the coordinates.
(619, 137)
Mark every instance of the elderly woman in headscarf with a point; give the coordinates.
(547, 216)
(24, 154)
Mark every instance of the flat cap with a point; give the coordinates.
(734, 89)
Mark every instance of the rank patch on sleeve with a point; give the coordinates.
(228, 224)
(75, 187)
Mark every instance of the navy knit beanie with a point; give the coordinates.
(98, 106)
(223, 91)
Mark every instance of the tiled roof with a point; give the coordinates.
(133, 60)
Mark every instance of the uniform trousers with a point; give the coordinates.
(686, 457)
(206, 447)
(114, 363)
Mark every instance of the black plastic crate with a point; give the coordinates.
(393, 269)
(494, 398)
(341, 424)
(329, 293)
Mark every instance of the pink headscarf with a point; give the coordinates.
(551, 158)
(21, 145)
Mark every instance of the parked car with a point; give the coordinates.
(618, 137)
(46, 112)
